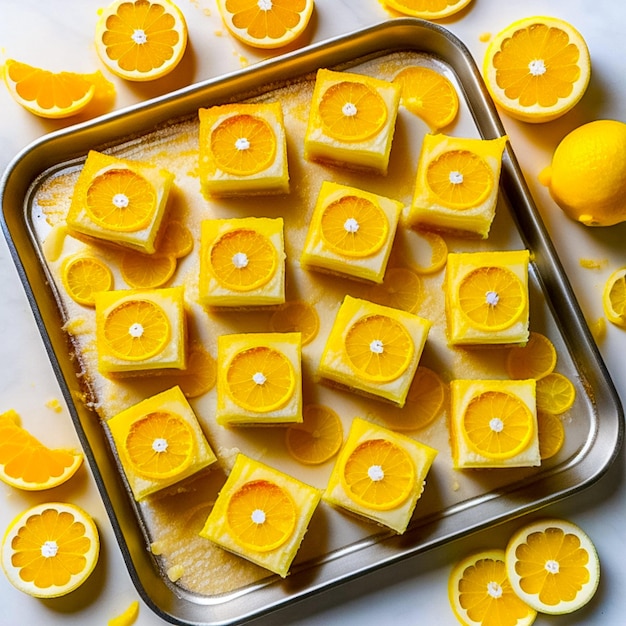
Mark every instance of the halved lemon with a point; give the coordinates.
(428, 9)
(537, 68)
(50, 549)
(480, 593)
(266, 23)
(553, 566)
(141, 40)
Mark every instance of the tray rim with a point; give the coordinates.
(155, 112)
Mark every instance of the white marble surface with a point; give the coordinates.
(58, 35)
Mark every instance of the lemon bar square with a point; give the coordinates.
(500, 405)
(351, 232)
(457, 182)
(259, 379)
(119, 201)
(159, 442)
(486, 297)
(141, 330)
(250, 486)
(242, 262)
(373, 349)
(394, 470)
(243, 149)
(352, 120)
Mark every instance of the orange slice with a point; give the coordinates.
(260, 379)
(175, 241)
(261, 515)
(537, 68)
(551, 434)
(200, 375)
(429, 95)
(354, 226)
(614, 297)
(50, 549)
(428, 9)
(48, 94)
(534, 360)
(491, 298)
(555, 393)
(243, 260)
(147, 271)
(378, 474)
(141, 40)
(553, 566)
(243, 145)
(266, 23)
(497, 425)
(480, 593)
(296, 316)
(25, 463)
(137, 330)
(160, 445)
(379, 348)
(121, 200)
(352, 111)
(83, 276)
(401, 289)
(460, 179)
(318, 438)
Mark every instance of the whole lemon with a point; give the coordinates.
(587, 177)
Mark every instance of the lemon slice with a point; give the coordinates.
(296, 316)
(266, 23)
(555, 393)
(261, 515)
(48, 94)
(480, 593)
(551, 434)
(553, 566)
(141, 40)
(50, 549)
(401, 289)
(83, 276)
(537, 68)
(318, 438)
(534, 360)
(378, 474)
(147, 271)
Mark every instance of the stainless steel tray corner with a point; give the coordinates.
(575, 473)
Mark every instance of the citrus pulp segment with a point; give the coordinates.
(25, 463)
(120, 200)
(261, 515)
(553, 566)
(50, 549)
(460, 179)
(48, 94)
(136, 330)
(318, 438)
(260, 379)
(296, 316)
(243, 145)
(160, 445)
(491, 298)
(537, 68)
(551, 434)
(143, 271)
(352, 111)
(429, 95)
(354, 226)
(85, 275)
(243, 260)
(428, 9)
(555, 393)
(497, 424)
(266, 23)
(379, 347)
(480, 593)
(401, 289)
(614, 297)
(141, 40)
(534, 360)
(379, 474)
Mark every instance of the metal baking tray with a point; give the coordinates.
(595, 425)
